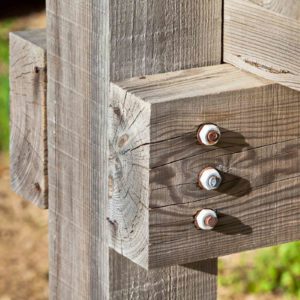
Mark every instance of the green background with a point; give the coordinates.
(4, 84)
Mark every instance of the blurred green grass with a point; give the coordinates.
(4, 84)
(273, 271)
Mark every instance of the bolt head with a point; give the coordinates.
(208, 134)
(214, 182)
(211, 221)
(209, 179)
(206, 219)
(213, 136)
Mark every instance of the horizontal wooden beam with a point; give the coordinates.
(28, 137)
(264, 39)
(155, 161)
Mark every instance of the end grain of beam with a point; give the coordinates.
(28, 136)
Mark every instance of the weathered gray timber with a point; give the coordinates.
(28, 135)
(146, 37)
(156, 159)
(264, 41)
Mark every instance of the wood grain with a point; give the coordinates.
(145, 37)
(28, 131)
(155, 161)
(266, 216)
(149, 37)
(262, 42)
(78, 68)
(189, 281)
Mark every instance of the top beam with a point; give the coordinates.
(263, 42)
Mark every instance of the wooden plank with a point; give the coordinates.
(146, 37)
(28, 135)
(288, 8)
(263, 42)
(155, 120)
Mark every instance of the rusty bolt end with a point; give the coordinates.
(208, 134)
(211, 221)
(213, 136)
(205, 219)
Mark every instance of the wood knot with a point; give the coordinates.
(123, 140)
(117, 111)
(114, 223)
(37, 187)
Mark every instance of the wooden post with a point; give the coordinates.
(90, 43)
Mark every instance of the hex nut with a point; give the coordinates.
(208, 134)
(209, 179)
(206, 219)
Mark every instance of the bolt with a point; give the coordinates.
(213, 182)
(208, 134)
(209, 179)
(213, 136)
(206, 219)
(211, 221)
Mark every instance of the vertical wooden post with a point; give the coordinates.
(91, 42)
(78, 56)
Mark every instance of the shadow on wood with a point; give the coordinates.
(234, 141)
(234, 185)
(208, 266)
(230, 225)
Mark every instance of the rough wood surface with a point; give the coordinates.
(28, 135)
(149, 37)
(146, 37)
(191, 281)
(155, 160)
(78, 64)
(262, 42)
